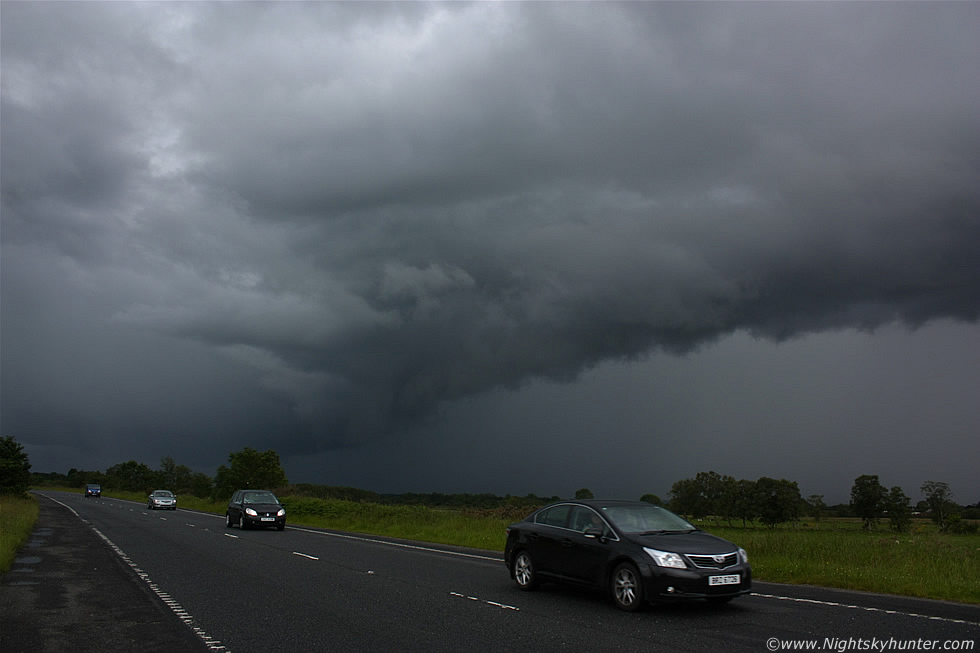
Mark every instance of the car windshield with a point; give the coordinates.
(646, 519)
(260, 497)
(163, 493)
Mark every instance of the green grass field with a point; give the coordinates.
(17, 518)
(831, 553)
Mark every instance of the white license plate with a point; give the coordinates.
(274, 519)
(724, 580)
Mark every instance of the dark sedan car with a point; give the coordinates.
(93, 490)
(259, 508)
(637, 552)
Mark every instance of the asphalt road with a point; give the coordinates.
(181, 581)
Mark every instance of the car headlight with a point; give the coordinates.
(281, 513)
(666, 558)
(743, 554)
(251, 512)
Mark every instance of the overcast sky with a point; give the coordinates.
(501, 247)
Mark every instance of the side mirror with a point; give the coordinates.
(594, 532)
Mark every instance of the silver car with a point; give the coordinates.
(164, 499)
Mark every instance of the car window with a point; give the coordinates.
(554, 516)
(646, 519)
(583, 518)
(260, 497)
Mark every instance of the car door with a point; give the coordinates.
(235, 506)
(545, 538)
(582, 557)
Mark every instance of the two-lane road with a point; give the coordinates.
(310, 590)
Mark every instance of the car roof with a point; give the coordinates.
(601, 503)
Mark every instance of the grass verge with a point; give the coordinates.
(18, 514)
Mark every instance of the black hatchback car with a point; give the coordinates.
(259, 508)
(637, 552)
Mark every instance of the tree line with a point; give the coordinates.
(775, 501)
(766, 500)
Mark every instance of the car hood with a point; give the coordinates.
(262, 507)
(697, 542)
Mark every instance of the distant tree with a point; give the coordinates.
(15, 467)
(201, 485)
(816, 506)
(778, 501)
(249, 468)
(686, 499)
(705, 494)
(652, 498)
(173, 476)
(746, 505)
(584, 493)
(939, 498)
(131, 476)
(899, 510)
(726, 498)
(868, 499)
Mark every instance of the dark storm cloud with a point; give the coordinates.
(373, 210)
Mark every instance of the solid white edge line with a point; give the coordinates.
(179, 612)
(834, 604)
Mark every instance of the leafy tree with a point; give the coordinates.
(79, 477)
(201, 485)
(652, 498)
(686, 499)
(778, 501)
(746, 506)
(899, 510)
(726, 498)
(816, 506)
(173, 476)
(939, 498)
(15, 467)
(700, 496)
(249, 468)
(132, 477)
(584, 493)
(868, 499)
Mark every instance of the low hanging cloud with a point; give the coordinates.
(377, 209)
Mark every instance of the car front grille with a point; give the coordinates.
(714, 562)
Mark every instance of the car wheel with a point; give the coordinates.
(241, 522)
(227, 520)
(626, 589)
(281, 527)
(524, 572)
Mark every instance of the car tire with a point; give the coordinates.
(525, 573)
(281, 527)
(227, 520)
(241, 523)
(627, 588)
